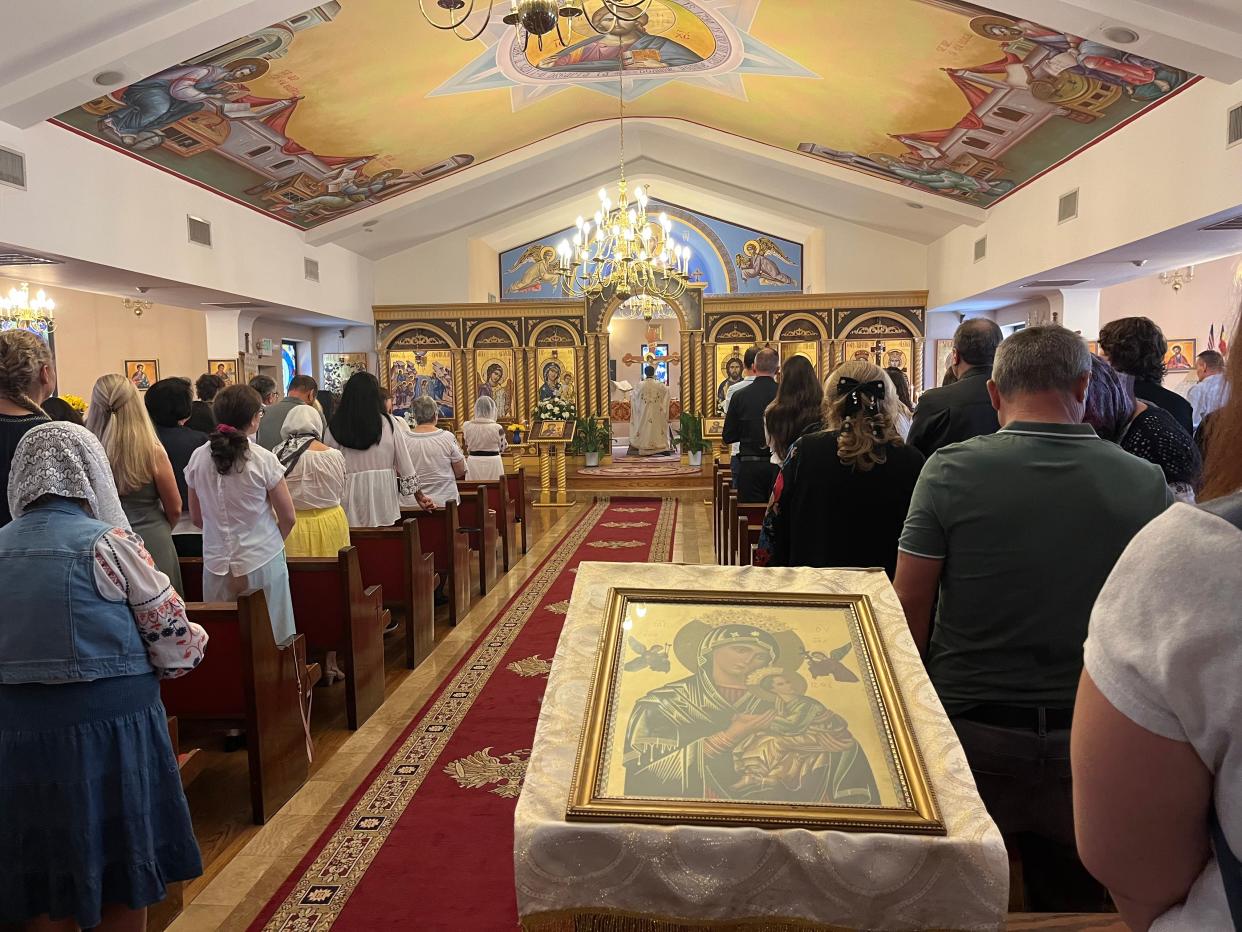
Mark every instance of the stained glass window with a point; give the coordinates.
(288, 362)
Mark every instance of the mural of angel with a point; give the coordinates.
(754, 261)
(347, 189)
(544, 269)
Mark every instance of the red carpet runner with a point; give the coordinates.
(426, 842)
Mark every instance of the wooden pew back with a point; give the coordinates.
(478, 522)
(498, 500)
(516, 481)
(440, 533)
(394, 559)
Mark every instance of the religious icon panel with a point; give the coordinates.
(807, 349)
(339, 367)
(414, 374)
(758, 708)
(944, 359)
(224, 369)
(729, 370)
(495, 370)
(887, 354)
(1180, 356)
(557, 375)
(142, 372)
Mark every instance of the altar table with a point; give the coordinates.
(617, 877)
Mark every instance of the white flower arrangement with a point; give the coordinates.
(556, 409)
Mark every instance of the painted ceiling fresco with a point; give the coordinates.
(355, 102)
(727, 258)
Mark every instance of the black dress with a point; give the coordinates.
(1156, 436)
(13, 428)
(827, 514)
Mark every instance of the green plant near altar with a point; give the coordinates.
(556, 409)
(690, 434)
(593, 435)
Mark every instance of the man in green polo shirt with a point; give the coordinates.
(1018, 531)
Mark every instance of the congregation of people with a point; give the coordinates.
(1036, 514)
(97, 515)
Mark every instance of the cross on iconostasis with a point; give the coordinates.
(878, 349)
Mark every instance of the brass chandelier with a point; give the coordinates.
(535, 18)
(623, 251)
(20, 310)
(644, 307)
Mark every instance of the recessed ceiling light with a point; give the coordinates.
(108, 78)
(914, 206)
(1121, 35)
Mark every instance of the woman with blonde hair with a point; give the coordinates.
(27, 379)
(485, 441)
(143, 472)
(842, 496)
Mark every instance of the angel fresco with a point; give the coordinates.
(754, 261)
(741, 728)
(544, 269)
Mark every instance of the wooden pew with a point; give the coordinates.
(336, 613)
(395, 559)
(440, 533)
(748, 534)
(743, 555)
(479, 525)
(517, 494)
(730, 536)
(499, 501)
(720, 500)
(249, 679)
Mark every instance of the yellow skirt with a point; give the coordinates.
(319, 532)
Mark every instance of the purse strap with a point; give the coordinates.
(1228, 508)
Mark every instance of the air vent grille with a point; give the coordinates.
(20, 258)
(1235, 126)
(199, 230)
(981, 248)
(1056, 283)
(235, 305)
(310, 268)
(12, 169)
(1232, 223)
(1067, 208)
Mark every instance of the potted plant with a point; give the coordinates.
(690, 438)
(592, 437)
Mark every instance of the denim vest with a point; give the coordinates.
(55, 625)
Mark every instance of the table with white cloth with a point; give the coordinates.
(607, 876)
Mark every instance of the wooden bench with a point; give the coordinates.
(440, 533)
(721, 486)
(248, 679)
(499, 501)
(730, 533)
(517, 494)
(395, 559)
(479, 525)
(749, 525)
(336, 613)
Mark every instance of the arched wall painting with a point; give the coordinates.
(556, 374)
(355, 102)
(415, 374)
(726, 257)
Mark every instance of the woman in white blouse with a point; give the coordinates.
(437, 458)
(378, 470)
(485, 441)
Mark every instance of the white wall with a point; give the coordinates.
(1168, 168)
(88, 202)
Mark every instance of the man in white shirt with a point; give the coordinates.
(748, 376)
(1211, 391)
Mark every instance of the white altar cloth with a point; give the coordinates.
(569, 874)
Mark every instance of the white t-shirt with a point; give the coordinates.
(433, 454)
(1165, 648)
(240, 533)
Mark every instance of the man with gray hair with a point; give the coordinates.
(1018, 531)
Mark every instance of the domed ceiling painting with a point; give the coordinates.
(355, 102)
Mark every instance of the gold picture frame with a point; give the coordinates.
(713, 428)
(1180, 356)
(225, 369)
(553, 432)
(652, 748)
(143, 373)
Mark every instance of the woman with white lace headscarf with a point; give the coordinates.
(90, 627)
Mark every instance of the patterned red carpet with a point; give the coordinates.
(427, 840)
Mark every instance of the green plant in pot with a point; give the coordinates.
(592, 438)
(690, 438)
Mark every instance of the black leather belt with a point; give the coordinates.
(748, 458)
(1012, 716)
(485, 453)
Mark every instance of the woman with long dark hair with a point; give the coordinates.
(842, 495)
(796, 408)
(239, 498)
(1156, 689)
(905, 414)
(378, 468)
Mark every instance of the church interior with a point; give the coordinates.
(592, 228)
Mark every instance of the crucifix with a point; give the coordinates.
(878, 349)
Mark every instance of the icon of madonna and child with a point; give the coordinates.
(741, 726)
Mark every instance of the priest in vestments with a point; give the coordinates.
(650, 416)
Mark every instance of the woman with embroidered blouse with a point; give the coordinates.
(80, 709)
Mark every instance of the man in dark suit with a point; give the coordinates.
(752, 465)
(962, 410)
(1136, 346)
